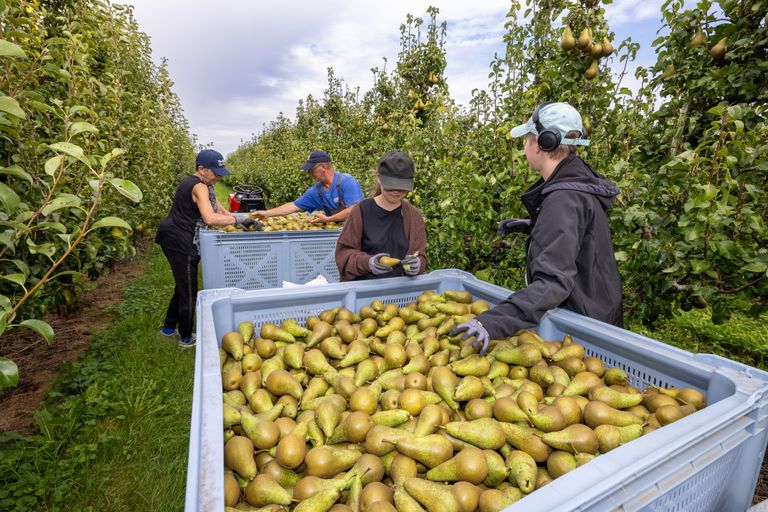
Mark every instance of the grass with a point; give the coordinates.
(114, 431)
(222, 193)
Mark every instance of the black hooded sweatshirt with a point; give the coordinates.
(570, 261)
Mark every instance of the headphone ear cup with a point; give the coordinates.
(549, 139)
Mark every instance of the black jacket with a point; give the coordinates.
(570, 261)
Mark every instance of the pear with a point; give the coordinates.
(572, 366)
(281, 382)
(429, 420)
(607, 48)
(596, 51)
(231, 376)
(365, 372)
(405, 503)
(506, 409)
(697, 39)
(485, 433)
(232, 343)
(270, 331)
(474, 364)
(461, 296)
(541, 374)
(291, 451)
(444, 383)
(560, 463)
(238, 456)
(574, 438)
(478, 307)
(320, 502)
(611, 436)
(548, 419)
(594, 365)
(430, 450)
(599, 413)
(524, 355)
(433, 496)
(333, 347)
(671, 413)
(616, 399)
(246, 331)
(496, 500)
(591, 72)
(584, 39)
(654, 400)
(231, 415)
(327, 461)
(232, 491)
(497, 468)
(582, 383)
(522, 470)
(320, 331)
(263, 434)
(327, 416)
(250, 363)
(281, 475)
(292, 327)
(524, 438)
(382, 439)
(570, 408)
(293, 355)
(615, 376)
(692, 397)
(468, 465)
(470, 387)
(567, 41)
(356, 353)
(263, 490)
(718, 51)
(391, 417)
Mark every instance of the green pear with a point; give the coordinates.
(485, 433)
(615, 376)
(232, 343)
(404, 502)
(497, 468)
(322, 501)
(523, 355)
(599, 413)
(433, 496)
(320, 331)
(560, 462)
(231, 376)
(238, 456)
(231, 415)
(327, 416)
(444, 383)
(468, 465)
(246, 330)
(263, 490)
(294, 329)
(614, 398)
(356, 353)
(523, 470)
(582, 383)
(576, 438)
(474, 364)
(525, 439)
(430, 450)
(327, 461)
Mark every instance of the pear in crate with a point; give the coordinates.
(435, 497)
(468, 465)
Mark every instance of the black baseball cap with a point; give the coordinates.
(396, 171)
(316, 157)
(212, 160)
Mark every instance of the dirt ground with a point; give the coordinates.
(39, 363)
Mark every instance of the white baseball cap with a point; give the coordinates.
(561, 117)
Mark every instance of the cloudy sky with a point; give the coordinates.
(237, 64)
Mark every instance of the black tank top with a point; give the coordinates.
(383, 231)
(177, 231)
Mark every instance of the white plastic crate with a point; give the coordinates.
(255, 260)
(708, 461)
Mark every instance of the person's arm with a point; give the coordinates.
(202, 200)
(284, 209)
(416, 233)
(350, 259)
(555, 242)
(337, 217)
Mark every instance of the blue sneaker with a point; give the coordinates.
(167, 332)
(187, 342)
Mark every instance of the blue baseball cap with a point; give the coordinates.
(555, 116)
(316, 157)
(212, 160)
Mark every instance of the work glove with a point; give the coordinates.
(509, 226)
(247, 223)
(476, 329)
(412, 265)
(377, 268)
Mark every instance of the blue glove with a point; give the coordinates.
(509, 226)
(476, 329)
(412, 265)
(377, 268)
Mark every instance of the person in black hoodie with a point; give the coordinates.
(569, 254)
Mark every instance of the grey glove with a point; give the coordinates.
(247, 223)
(377, 268)
(476, 329)
(412, 265)
(509, 226)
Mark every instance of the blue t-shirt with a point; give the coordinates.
(350, 192)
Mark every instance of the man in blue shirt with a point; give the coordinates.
(331, 197)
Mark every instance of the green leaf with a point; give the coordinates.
(109, 156)
(9, 49)
(9, 198)
(6, 238)
(11, 106)
(108, 222)
(9, 372)
(756, 266)
(621, 256)
(47, 249)
(55, 226)
(62, 201)
(127, 188)
(40, 327)
(5, 303)
(15, 170)
(21, 266)
(53, 164)
(80, 127)
(15, 278)
(71, 150)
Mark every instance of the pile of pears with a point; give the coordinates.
(594, 50)
(382, 410)
(300, 221)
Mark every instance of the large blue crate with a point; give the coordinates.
(708, 461)
(257, 259)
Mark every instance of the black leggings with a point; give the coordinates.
(181, 309)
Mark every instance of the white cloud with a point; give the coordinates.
(237, 64)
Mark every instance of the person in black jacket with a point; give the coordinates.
(194, 206)
(569, 254)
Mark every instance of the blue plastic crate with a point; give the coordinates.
(256, 260)
(708, 461)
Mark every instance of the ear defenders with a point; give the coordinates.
(548, 138)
